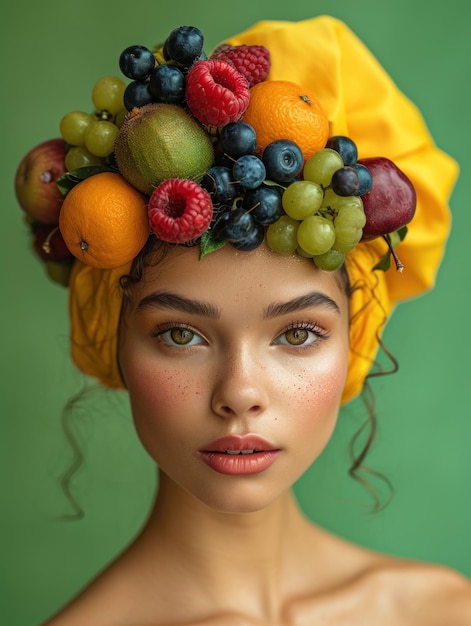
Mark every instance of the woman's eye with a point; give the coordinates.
(299, 336)
(181, 337)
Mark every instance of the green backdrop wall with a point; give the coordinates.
(52, 52)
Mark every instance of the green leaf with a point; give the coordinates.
(209, 243)
(402, 232)
(68, 180)
(384, 264)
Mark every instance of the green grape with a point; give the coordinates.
(330, 260)
(281, 235)
(107, 94)
(336, 202)
(79, 156)
(302, 198)
(73, 127)
(316, 235)
(303, 253)
(100, 136)
(348, 228)
(321, 165)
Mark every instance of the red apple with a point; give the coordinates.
(35, 181)
(49, 244)
(392, 200)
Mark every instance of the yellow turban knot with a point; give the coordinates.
(362, 102)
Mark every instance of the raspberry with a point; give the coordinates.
(216, 92)
(253, 62)
(179, 210)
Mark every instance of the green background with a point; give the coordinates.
(52, 52)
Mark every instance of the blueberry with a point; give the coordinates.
(345, 181)
(136, 62)
(238, 139)
(167, 84)
(137, 94)
(219, 183)
(249, 171)
(264, 203)
(346, 147)
(283, 160)
(219, 226)
(365, 179)
(184, 45)
(239, 225)
(252, 240)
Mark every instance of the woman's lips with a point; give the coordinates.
(239, 455)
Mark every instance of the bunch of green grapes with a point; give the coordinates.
(324, 211)
(91, 136)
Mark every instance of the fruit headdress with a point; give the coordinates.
(290, 133)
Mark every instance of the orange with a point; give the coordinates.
(104, 221)
(280, 109)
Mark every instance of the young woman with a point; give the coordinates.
(236, 365)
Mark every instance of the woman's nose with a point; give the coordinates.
(240, 388)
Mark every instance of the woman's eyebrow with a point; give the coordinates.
(168, 300)
(308, 300)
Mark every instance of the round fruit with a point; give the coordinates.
(330, 260)
(137, 94)
(345, 181)
(302, 199)
(237, 139)
(252, 240)
(283, 160)
(107, 94)
(219, 183)
(249, 171)
(264, 203)
(184, 45)
(282, 235)
(161, 141)
(104, 221)
(282, 109)
(79, 156)
(364, 178)
(316, 235)
(136, 62)
(320, 167)
(179, 210)
(167, 84)
(35, 181)
(73, 127)
(99, 137)
(239, 225)
(346, 147)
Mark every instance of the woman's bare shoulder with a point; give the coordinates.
(369, 587)
(425, 594)
(435, 595)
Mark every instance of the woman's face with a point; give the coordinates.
(235, 367)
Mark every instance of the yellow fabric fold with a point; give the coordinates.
(362, 102)
(94, 310)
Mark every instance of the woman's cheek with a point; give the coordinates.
(318, 386)
(161, 391)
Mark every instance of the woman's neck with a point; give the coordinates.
(229, 558)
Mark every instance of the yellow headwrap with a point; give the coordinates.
(362, 102)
